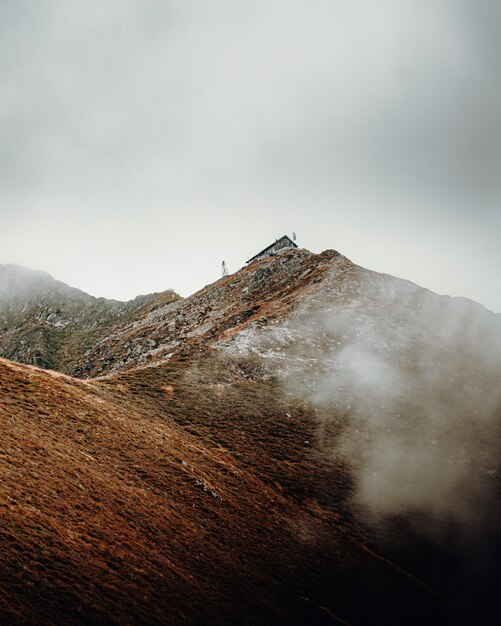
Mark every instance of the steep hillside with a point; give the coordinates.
(46, 323)
(305, 441)
(188, 493)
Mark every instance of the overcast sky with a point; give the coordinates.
(143, 142)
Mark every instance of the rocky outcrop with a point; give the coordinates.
(257, 294)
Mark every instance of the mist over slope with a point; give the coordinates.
(414, 377)
(305, 441)
(191, 492)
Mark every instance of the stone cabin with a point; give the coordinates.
(280, 244)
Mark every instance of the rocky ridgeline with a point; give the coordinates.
(294, 303)
(45, 322)
(253, 297)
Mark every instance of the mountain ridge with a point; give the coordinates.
(45, 322)
(320, 445)
(117, 334)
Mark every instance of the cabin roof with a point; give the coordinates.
(293, 244)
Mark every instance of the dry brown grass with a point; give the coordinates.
(180, 494)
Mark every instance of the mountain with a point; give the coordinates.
(305, 441)
(45, 322)
(256, 296)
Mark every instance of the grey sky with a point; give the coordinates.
(144, 142)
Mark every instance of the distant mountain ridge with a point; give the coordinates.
(45, 322)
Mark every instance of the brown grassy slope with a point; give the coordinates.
(180, 494)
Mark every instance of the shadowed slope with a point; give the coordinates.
(305, 441)
(178, 495)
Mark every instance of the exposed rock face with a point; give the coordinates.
(44, 322)
(264, 291)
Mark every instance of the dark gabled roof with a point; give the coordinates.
(293, 244)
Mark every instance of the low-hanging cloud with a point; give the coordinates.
(412, 382)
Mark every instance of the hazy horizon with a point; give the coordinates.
(144, 143)
(186, 295)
